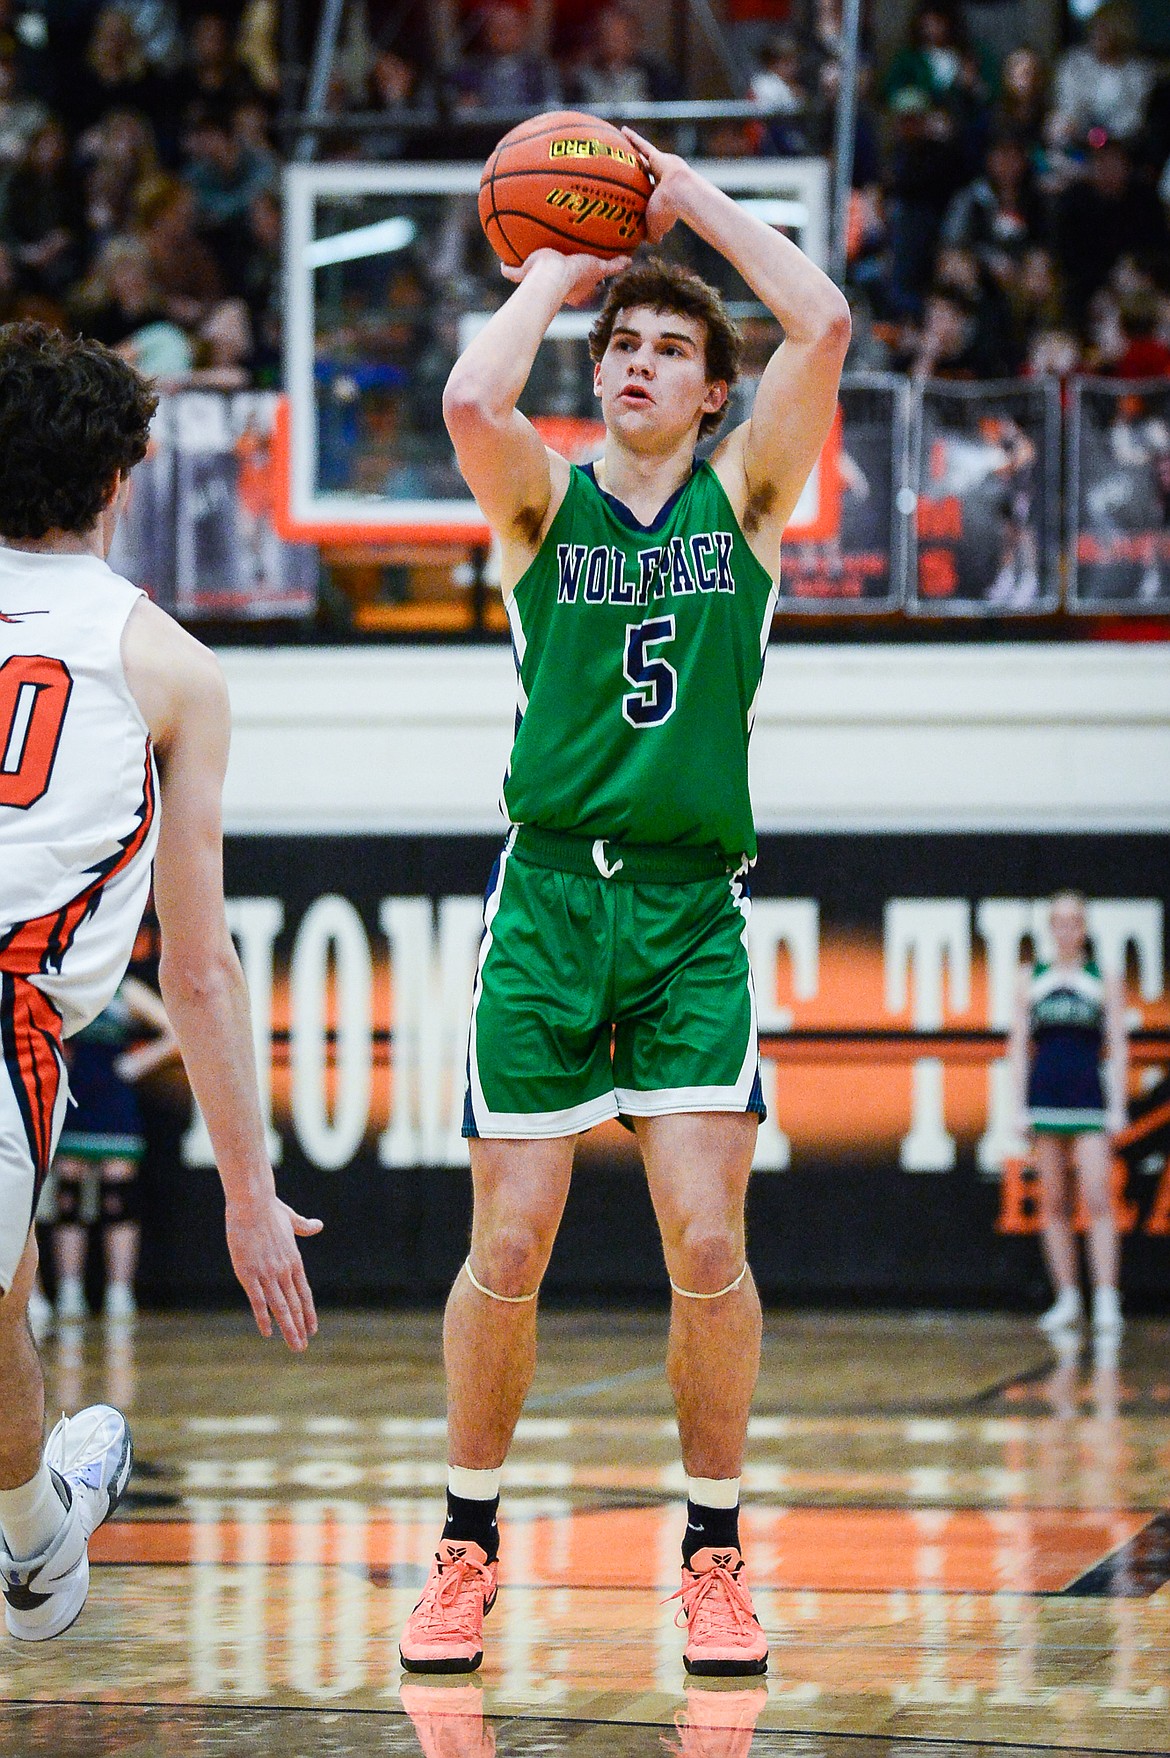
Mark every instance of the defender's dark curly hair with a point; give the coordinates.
(72, 414)
(667, 286)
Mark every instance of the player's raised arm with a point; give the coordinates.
(514, 478)
(765, 463)
(180, 690)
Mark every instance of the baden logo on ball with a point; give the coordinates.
(563, 181)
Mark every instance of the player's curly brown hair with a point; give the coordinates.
(72, 414)
(667, 286)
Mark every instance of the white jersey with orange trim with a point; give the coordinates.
(78, 784)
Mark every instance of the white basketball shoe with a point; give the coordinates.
(92, 1455)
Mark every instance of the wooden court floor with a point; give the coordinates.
(959, 1544)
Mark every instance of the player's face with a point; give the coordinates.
(652, 379)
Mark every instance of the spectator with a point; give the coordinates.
(616, 70)
(257, 45)
(158, 27)
(252, 126)
(994, 341)
(1037, 294)
(826, 30)
(104, 1133)
(261, 287)
(119, 155)
(120, 303)
(1103, 87)
(1053, 354)
(1104, 342)
(1022, 108)
(20, 114)
(214, 72)
(17, 303)
(780, 83)
(184, 267)
(44, 216)
(504, 74)
(394, 85)
(1145, 354)
(937, 98)
(926, 169)
(31, 52)
(945, 345)
(939, 70)
(1100, 218)
(825, 45)
(223, 349)
(225, 176)
(998, 216)
(752, 25)
(115, 75)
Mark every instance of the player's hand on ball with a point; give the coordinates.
(668, 172)
(262, 1241)
(582, 274)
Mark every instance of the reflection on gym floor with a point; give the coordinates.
(952, 1534)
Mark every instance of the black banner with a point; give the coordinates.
(858, 565)
(1118, 496)
(985, 468)
(884, 969)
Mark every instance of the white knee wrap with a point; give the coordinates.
(689, 1294)
(506, 1299)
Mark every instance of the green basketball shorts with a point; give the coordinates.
(603, 993)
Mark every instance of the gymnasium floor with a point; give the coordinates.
(959, 1544)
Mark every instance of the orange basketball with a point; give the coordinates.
(563, 181)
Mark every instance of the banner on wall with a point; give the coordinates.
(199, 533)
(885, 970)
(1118, 495)
(985, 477)
(859, 565)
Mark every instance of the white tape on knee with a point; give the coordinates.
(506, 1299)
(689, 1293)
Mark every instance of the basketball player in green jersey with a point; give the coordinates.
(613, 975)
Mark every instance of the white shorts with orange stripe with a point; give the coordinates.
(33, 1096)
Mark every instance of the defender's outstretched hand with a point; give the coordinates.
(267, 1261)
(583, 274)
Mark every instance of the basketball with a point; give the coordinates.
(563, 181)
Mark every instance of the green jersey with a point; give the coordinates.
(640, 651)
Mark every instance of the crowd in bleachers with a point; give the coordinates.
(139, 182)
(1010, 214)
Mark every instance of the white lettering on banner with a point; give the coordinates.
(432, 977)
(331, 934)
(927, 953)
(794, 923)
(254, 923)
(1003, 924)
(1116, 924)
(929, 937)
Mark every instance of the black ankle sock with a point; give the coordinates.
(710, 1527)
(475, 1522)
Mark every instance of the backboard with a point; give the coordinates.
(387, 276)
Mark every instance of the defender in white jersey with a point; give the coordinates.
(113, 746)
